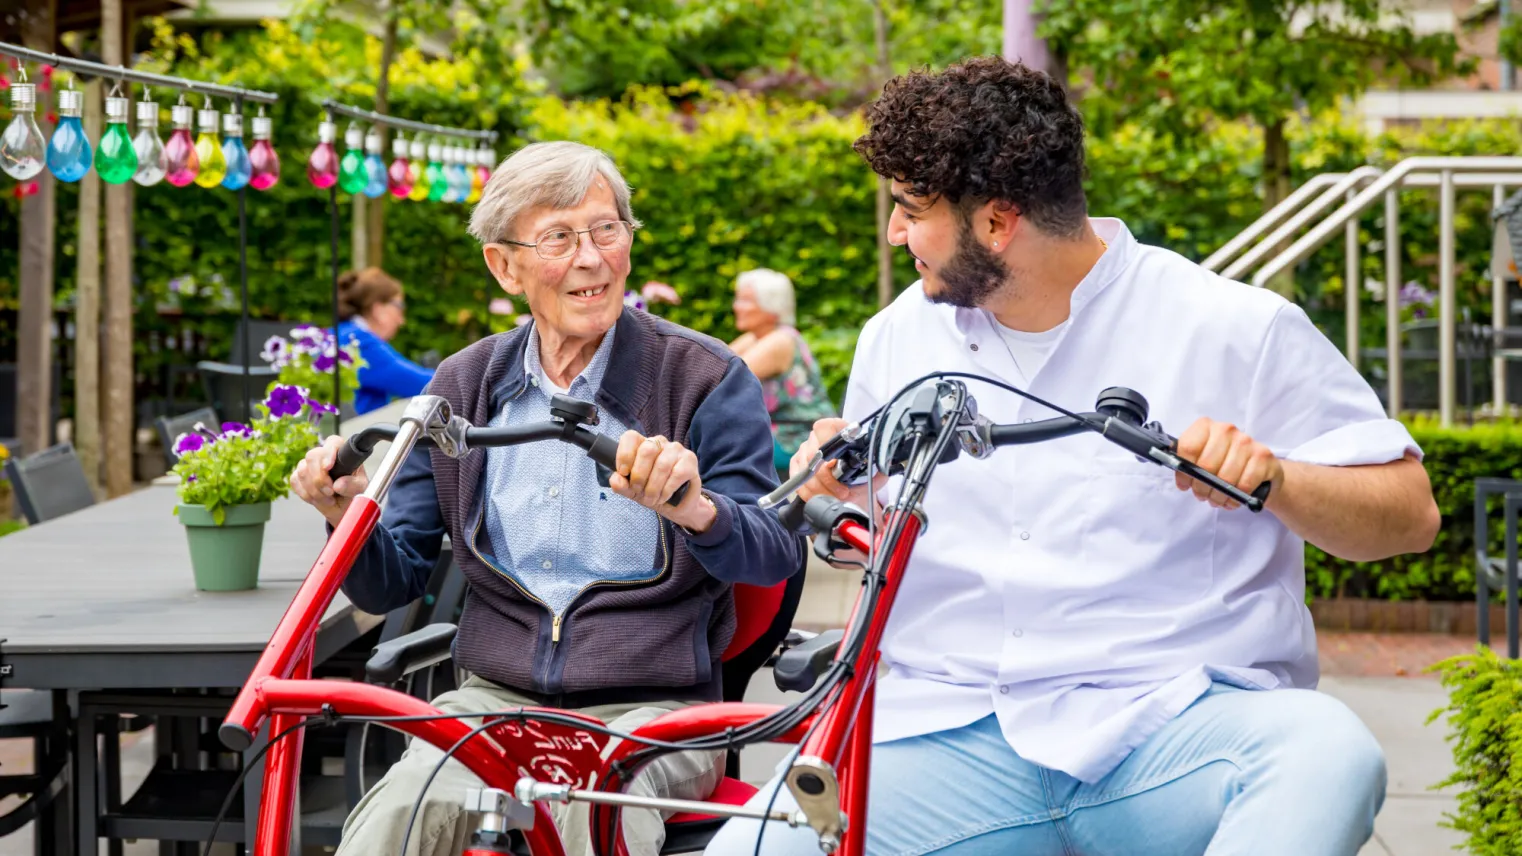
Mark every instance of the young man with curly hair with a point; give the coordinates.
(1089, 655)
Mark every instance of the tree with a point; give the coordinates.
(1178, 64)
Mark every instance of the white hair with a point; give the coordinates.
(554, 175)
(774, 292)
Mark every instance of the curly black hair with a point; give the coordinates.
(983, 129)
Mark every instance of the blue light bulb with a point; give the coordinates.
(69, 153)
(375, 168)
(239, 168)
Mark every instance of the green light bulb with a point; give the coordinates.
(209, 150)
(351, 169)
(438, 182)
(115, 156)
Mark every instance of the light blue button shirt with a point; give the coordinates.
(550, 523)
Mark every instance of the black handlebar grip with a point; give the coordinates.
(604, 450)
(349, 458)
(792, 515)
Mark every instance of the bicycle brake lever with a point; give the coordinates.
(1151, 443)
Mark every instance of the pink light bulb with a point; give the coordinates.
(322, 166)
(399, 174)
(262, 157)
(181, 163)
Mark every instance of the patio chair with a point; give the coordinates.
(49, 484)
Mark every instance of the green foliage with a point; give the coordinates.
(1455, 457)
(9, 526)
(243, 465)
(820, 49)
(1178, 63)
(1484, 718)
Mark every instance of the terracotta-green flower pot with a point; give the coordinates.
(226, 557)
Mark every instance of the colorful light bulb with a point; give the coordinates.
(22, 146)
(264, 164)
(461, 174)
(438, 181)
(115, 158)
(239, 168)
(398, 178)
(477, 176)
(322, 166)
(209, 149)
(351, 169)
(375, 168)
(69, 151)
(418, 170)
(181, 163)
(151, 166)
(446, 170)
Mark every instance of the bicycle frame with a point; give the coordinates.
(280, 693)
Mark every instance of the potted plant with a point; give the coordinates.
(306, 359)
(228, 478)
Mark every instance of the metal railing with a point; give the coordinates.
(1362, 188)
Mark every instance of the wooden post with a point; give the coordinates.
(87, 434)
(120, 425)
(884, 196)
(34, 369)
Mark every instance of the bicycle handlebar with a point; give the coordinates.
(600, 448)
(1119, 418)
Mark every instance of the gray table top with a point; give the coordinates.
(116, 578)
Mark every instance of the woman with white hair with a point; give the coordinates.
(775, 351)
(589, 595)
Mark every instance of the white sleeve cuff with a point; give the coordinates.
(1375, 442)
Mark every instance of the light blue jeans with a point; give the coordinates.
(1266, 773)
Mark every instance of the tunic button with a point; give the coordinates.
(548, 564)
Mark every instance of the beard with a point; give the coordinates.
(972, 275)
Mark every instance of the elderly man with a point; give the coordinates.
(609, 602)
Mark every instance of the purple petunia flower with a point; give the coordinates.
(285, 401)
(320, 406)
(345, 357)
(276, 350)
(187, 443)
(236, 429)
(323, 363)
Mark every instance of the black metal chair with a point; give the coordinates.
(170, 427)
(1492, 573)
(49, 484)
(224, 383)
(29, 715)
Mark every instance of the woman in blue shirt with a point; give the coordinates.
(371, 310)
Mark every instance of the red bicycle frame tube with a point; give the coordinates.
(482, 756)
(293, 636)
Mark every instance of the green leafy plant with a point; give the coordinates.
(1484, 717)
(246, 464)
(1455, 457)
(306, 361)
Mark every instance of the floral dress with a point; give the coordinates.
(795, 399)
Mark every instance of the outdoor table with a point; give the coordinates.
(101, 604)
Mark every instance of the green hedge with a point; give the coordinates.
(1484, 718)
(1455, 457)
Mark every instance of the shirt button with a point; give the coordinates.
(1004, 688)
(1019, 633)
(974, 346)
(1025, 536)
(554, 491)
(548, 564)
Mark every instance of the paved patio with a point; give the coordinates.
(1380, 676)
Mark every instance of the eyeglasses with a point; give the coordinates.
(559, 244)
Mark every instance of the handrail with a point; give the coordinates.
(1337, 191)
(1312, 241)
(1268, 219)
